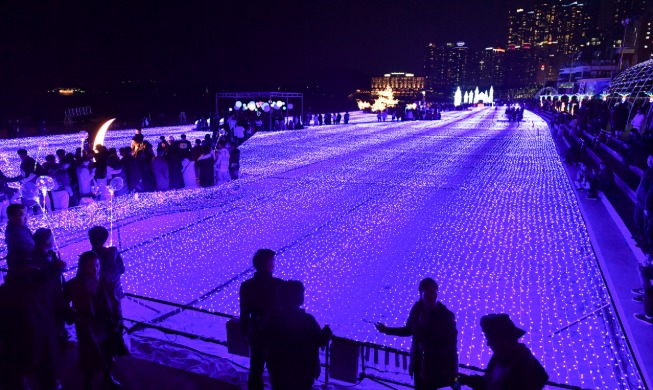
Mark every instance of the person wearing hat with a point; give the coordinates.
(512, 365)
(433, 352)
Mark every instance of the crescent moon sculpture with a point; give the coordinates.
(99, 138)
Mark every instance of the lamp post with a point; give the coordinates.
(572, 57)
(624, 23)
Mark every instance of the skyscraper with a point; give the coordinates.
(445, 67)
(457, 63)
(545, 21)
(491, 67)
(629, 9)
(520, 27)
(435, 70)
(574, 21)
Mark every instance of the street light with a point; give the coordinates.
(624, 23)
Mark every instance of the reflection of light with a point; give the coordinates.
(99, 138)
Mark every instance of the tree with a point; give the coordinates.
(386, 99)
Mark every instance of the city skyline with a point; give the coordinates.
(323, 49)
(85, 45)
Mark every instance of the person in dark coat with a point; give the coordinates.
(50, 262)
(184, 146)
(512, 365)
(161, 171)
(130, 167)
(197, 150)
(28, 335)
(293, 339)
(234, 161)
(112, 266)
(174, 157)
(258, 298)
(18, 237)
(143, 154)
(204, 166)
(98, 330)
(433, 352)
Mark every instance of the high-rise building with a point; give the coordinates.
(574, 22)
(645, 46)
(628, 33)
(521, 66)
(457, 63)
(520, 27)
(545, 21)
(629, 9)
(446, 66)
(435, 70)
(491, 67)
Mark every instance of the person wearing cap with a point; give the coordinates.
(433, 352)
(512, 365)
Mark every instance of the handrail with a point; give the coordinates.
(140, 325)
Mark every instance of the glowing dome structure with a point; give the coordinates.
(634, 87)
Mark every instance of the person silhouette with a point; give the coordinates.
(258, 298)
(293, 339)
(433, 351)
(512, 365)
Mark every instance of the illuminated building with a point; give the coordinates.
(566, 25)
(446, 67)
(573, 26)
(491, 67)
(586, 79)
(457, 63)
(403, 85)
(545, 18)
(520, 27)
(435, 69)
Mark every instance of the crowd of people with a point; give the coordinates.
(610, 125)
(86, 175)
(326, 119)
(284, 337)
(36, 302)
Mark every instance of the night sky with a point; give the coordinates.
(230, 44)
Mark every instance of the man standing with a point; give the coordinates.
(20, 243)
(258, 298)
(433, 351)
(184, 147)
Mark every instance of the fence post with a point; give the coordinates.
(327, 365)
